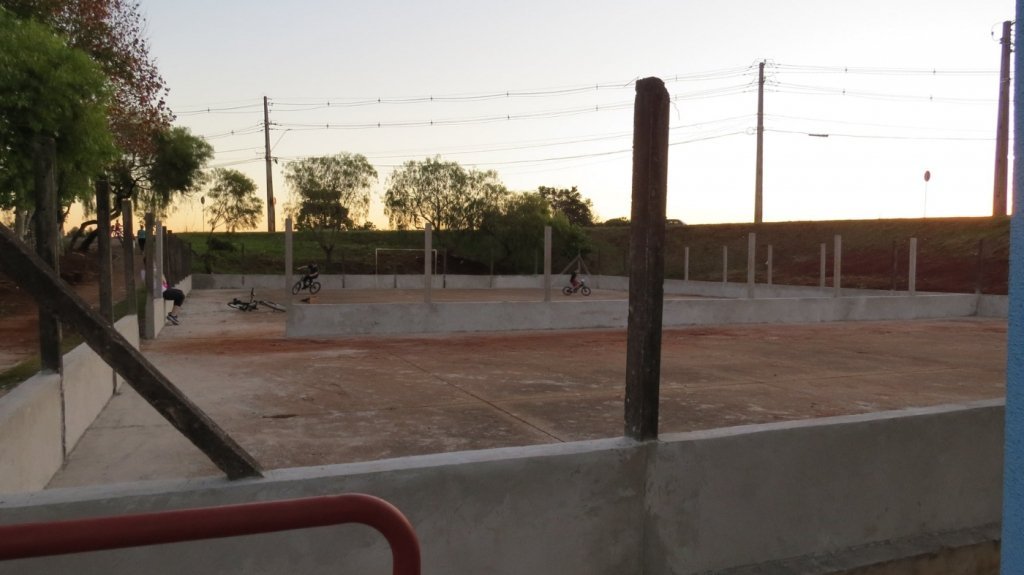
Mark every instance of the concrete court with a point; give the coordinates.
(295, 402)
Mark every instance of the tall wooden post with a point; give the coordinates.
(759, 168)
(770, 262)
(103, 249)
(647, 258)
(725, 265)
(686, 264)
(47, 240)
(271, 217)
(147, 270)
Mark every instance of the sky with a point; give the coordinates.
(542, 93)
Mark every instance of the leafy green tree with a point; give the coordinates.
(175, 167)
(334, 192)
(233, 201)
(516, 229)
(577, 209)
(112, 32)
(443, 194)
(49, 89)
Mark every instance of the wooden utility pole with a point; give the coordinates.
(999, 201)
(45, 158)
(271, 224)
(759, 169)
(647, 258)
(37, 279)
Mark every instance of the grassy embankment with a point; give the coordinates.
(947, 252)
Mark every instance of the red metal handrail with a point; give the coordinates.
(96, 534)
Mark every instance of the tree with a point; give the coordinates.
(577, 209)
(112, 32)
(517, 229)
(175, 167)
(233, 201)
(50, 90)
(334, 192)
(443, 194)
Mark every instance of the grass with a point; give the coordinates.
(70, 339)
(947, 252)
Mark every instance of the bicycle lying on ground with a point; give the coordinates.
(254, 304)
(580, 287)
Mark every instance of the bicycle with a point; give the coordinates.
(253, 304)
(580, 287)
(308, 281)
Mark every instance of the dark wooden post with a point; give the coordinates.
(43, 284)
(128, 247)
(647, 258)
(103, 249)
(47, 241)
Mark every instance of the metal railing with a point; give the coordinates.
(103, 533)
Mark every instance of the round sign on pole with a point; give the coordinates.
(927, 175)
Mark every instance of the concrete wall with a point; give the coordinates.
(30, 434)
(383, 281)
(993, 306)
(31, 444)
(306, 320)
(689, 503)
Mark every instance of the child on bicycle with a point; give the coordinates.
(574, 280)
(312, 272)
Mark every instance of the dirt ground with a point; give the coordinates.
(304, 402)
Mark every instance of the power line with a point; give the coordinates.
(880, 136)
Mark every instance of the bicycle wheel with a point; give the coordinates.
(567, 290)
(585, 290)
(272, 305)
(297, 287)
(314, 287)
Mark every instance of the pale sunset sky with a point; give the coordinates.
(542, 92)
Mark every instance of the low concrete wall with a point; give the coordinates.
(383, 281)
(689, 503)
(993, 306)
(319, 320)
(31, 444)
(30, 434)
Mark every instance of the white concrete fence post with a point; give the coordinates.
(769, 273)
(428, 248)
(821, 275)
(837, 267)
(289, 261)
(547, 263)
(725, 264)
(686, 264)
(751, 263)
(912, 272)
